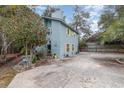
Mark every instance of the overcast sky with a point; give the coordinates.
(95, 12)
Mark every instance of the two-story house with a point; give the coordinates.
(62, 39)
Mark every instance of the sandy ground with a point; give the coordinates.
(7, 72)
(83, 70)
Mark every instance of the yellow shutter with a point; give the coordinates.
(65, 46)
(67, 31)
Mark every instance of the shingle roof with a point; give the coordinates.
(60, 20)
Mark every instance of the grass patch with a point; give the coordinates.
(6, 78)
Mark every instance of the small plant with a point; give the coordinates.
(55, 56)
(34, 59)
(23, 51)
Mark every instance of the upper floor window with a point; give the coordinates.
(47, 23)
(49, 31)
(70, 32)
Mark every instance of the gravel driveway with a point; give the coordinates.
(83, 70)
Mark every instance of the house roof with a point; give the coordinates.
(62, 21)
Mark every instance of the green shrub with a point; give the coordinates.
(23, 50)
(34, 59)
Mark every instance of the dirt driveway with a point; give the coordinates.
(84, 70)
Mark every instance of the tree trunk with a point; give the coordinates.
(4, 47)
(31, 57)
(26, 49)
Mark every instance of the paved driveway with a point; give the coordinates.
(84, 70)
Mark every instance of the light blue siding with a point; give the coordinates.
(66, 39)
(55, 40)
(59, 38)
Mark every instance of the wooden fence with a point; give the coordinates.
(93, 47)
(103, 50)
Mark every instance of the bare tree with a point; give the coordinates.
(80, 21)
(49, 10)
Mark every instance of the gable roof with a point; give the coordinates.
(60, 20)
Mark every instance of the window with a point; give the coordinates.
(72, 47)
(70, 32)
(49, 31)
(48, 23)
(67, 47)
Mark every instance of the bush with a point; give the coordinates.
(23, 50)
(82, 44)
(34, 59)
